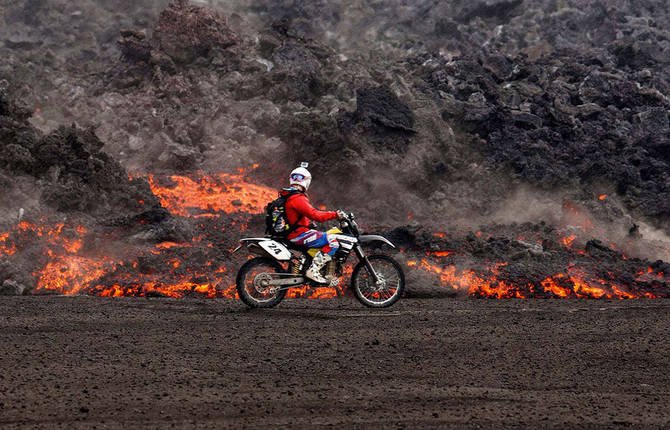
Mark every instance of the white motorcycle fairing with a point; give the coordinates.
(272, 247)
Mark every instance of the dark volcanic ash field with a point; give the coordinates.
(87, 362)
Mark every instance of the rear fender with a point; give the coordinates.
(272, 248)
(276, 250)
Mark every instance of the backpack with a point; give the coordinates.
(276, 222)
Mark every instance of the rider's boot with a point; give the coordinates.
(313, 272)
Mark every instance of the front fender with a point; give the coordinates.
(374, 238)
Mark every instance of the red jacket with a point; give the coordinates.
(300, 212)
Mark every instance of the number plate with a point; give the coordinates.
(276, 249)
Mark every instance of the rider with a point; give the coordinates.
(300, 214)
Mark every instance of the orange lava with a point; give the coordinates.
(211, 195)
(567, 241)
(65, 271)
(4, 249)
(470, 282)
(312, 293)
(439, 253)
(70, 274)
(575, 284)
(72, 265)
(175, 285)
(168, 245)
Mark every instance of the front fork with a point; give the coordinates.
(361, 256)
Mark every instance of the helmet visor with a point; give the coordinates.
(297, 177)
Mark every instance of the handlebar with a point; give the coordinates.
(348, 221)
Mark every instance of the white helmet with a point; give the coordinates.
(300, 176)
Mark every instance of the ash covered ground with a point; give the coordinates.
(511, 148)
(82, 362)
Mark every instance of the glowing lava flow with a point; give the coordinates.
(167, 268)
(470, 282)
(71, 260)
(67, 269)
(567, 241)
(4, 249)
(70, 274)
(211, 194)
(573, 284)
(64, 270)
(208, 284)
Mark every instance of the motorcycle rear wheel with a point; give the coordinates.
(392, 282)
(250, 279)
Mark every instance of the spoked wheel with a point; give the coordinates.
(387, 290)
(252, 283)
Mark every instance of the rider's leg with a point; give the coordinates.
(332, 246)
(328, 245)
(311, 239)
(322, 258)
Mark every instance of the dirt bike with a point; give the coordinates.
(262, 282)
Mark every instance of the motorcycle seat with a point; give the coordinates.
(290, 245)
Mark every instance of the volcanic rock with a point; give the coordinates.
(18, 41)
(186, 31)
(134, 45)
(12, 288)
(499, 10)
(76, 174)
(381, 106)
(591, 131)
(183, 33)
(597, 249)
(298, 72)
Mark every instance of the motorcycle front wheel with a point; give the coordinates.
(380, 294)
(252, 282)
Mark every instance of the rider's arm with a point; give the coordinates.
(304, 208)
